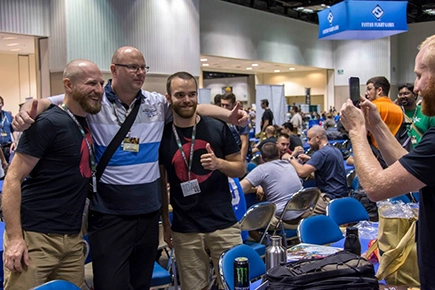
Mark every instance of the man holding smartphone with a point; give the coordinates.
(407, 171)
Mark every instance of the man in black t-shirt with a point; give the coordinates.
(43, 213)
(407, 171)
(199, 154)
(267, 118)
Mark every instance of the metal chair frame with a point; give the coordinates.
(303, 200)
(257, 217)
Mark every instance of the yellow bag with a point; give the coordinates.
(396, 240)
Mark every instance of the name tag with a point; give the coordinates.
(190, 187)
(131, 144)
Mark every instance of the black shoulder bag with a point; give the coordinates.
(116, 141)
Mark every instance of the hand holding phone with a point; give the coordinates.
(354, 90)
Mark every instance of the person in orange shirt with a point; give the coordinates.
(377, 92)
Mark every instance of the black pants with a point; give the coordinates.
(123, 250)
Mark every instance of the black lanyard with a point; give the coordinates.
(180, 147)
(90, 147)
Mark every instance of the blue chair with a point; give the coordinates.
(405, 198)
(161, 277)
(57, 285)
(257, 268)
(258, 217)
(319, 230)
(238, 201)
(346, 210)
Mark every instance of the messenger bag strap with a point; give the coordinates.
(116, 141)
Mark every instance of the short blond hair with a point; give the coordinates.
(429, 55)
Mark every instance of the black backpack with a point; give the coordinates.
(342, 270)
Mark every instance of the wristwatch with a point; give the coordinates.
(291, 158)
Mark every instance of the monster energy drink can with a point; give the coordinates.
(241, 273)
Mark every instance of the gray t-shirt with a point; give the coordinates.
(279, 181)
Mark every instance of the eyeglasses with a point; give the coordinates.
(134, 68)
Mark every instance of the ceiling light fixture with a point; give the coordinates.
(254, 64)
(249, 68)
(15, 49)
(205, 64)
(12, 44)
(277, 70)
(9, 37)
(203, 59)
(292, 68)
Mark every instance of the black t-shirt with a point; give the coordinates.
(294, 141)
(420, 162)
(267, 115)
(210, 209)
(54, 193)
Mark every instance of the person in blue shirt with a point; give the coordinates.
(6, 138)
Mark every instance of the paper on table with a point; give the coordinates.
(309, 251)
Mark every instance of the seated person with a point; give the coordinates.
(278, 180)
(295, 140)
(329, 122)
(326, 162)
(283, 144)
(270, 137)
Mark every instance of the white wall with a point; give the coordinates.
(231, 30)
(17, 79)
(408, 43)
(239, 84)
(296, 82)
(166, 31)
(31, 17)
(361, 58)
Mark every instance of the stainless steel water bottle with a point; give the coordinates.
(275, 253)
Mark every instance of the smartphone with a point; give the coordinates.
(354, 90)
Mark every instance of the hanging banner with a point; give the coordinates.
(353, 19)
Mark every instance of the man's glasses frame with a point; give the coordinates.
(133, 67)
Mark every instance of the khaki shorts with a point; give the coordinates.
(322, 204)
(193, 261)
(51, 257)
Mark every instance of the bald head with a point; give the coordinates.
(319, 131)
(125, 52)
(428, 47)
(75, 69)
(270, 130)
(317, 137)
(83, 83)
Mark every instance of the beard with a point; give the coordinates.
(428, 94)
(183, 112)
(404, 102)
(86, 102)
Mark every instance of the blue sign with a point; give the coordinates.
(353, 19)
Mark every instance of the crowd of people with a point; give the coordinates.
(56, 165)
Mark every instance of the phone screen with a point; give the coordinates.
(354, 90)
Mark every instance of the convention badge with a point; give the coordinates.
(4, 134)
(190, 187)
(131, 144)
(413, 140)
